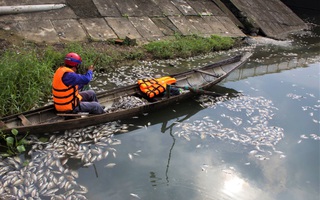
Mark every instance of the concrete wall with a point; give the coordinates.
(145, 20)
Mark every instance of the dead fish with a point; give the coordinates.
(130, 156)
(75, 174)
(283, 156)
(64, 161)
(303, 136)
(110, 165)
(105, 154)
(83, 190)
(135, 195)
(87, 164)
(253, 152)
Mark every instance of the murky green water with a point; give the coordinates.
(262, 143)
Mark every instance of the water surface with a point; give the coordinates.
(261, 144)
(261, 141)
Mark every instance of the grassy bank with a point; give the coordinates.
(26, 71)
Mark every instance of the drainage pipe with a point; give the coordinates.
(5, 10)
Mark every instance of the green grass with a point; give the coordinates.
(187, 46)
(25, 81)
(26, 72)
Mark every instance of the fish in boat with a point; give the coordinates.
(47, 120)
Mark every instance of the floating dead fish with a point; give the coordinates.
(130, 156)
(303, 136)
(256, 129)
(46, 174)
(283, 156)
(110, 165)
(135, 195)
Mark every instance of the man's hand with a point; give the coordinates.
(91, 67)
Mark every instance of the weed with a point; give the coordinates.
(186, 46)
(25, 80)
(14, 146)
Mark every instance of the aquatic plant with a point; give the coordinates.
(13, 145)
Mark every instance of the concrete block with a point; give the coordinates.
(200, 24)
(107, 8)
(148, 7)
(136, 8)
(216, 26)
(232, 29)
(69, 30)
(184, 7)
(184, 26)
(205, 7)
(165, 25)
(43, 32)
(123, 27)
(128, 8)
(98, 29)
(84, 8)
(273, 18)
(145, 27)
(167, 8)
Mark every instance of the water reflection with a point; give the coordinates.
(262, 69)
(170, 152)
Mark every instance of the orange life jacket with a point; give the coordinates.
(65, 98)
(154, 87)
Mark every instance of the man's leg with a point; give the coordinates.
(90, 107)
(89, 103)
(88, 95)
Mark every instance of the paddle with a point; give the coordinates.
(95, 61)
(196, 90)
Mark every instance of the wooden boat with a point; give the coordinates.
(47, 120)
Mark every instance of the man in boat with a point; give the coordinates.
(66, 86)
